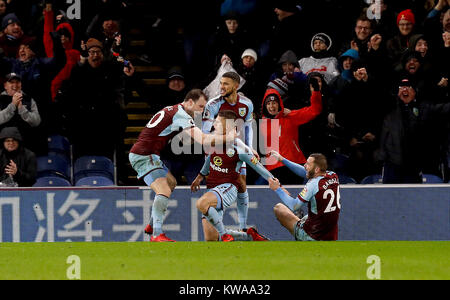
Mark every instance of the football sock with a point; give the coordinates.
(215, 219)
(158, 211)
(242, 209)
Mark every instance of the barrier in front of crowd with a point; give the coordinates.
(378, 212)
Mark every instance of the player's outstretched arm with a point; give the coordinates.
(243, 148)
(292, 203)
(210, 139)
(294, 167)
(253, 162)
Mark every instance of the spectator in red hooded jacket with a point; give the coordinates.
(284, 133)
(66, 32)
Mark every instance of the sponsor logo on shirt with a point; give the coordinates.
(218, 169)
(217, 161)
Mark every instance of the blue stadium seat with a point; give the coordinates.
(430, 178)
(344, 179)
(339, 163)
(94, 181)
(48, 181)
(372, 179)
(93, 166)
(53, 166)
(59, 144)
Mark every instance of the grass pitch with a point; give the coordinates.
(232, 261)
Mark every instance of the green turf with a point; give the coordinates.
(237, 260)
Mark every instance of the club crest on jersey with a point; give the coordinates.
(231, 152)
(242, 111)
(254, 160)
(217, 161)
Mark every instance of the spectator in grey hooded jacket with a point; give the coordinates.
(18, 165)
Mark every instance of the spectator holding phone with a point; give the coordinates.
(92, 101)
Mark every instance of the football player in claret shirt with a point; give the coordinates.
(222, 167)
(230, 99)
(145, 154)
(321, 194)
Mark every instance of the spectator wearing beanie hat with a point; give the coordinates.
(37, 73)
(249, 68)
(321, 60)
(13, 35)
(289, 72)
(20, 110)
(397, 45)
(280, 86)
(408, 138)
(93, 100)
(107, 27)
(93, 53)
(247, 57)
(16, 161)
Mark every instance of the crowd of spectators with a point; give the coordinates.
(383, 68)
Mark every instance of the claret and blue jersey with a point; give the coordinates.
(224, 166)
(321, 195)
(243, 108)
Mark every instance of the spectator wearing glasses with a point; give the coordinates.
(408, 136)
(92, 102)
(399, 44)
(363, 30)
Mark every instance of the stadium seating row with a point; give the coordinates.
(57, 168)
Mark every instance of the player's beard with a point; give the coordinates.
(310, 174)
(227, 95)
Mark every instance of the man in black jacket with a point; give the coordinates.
(409, 143)
(92, 102)
(18, 166)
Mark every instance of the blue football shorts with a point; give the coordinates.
(149, 167)
(226, 194)
(299, 233)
